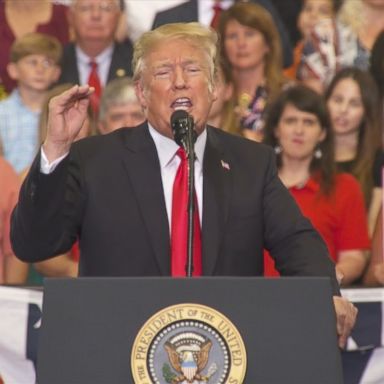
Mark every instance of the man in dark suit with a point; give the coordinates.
(190, 11)
(114, 192)
(94, 24)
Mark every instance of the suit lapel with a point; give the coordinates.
(142, 164)
(216, 194)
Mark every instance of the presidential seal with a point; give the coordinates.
(188, 344)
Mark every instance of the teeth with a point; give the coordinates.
(181, 103)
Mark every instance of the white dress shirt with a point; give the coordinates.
(169, 162)
(205, 10)
(103, 64)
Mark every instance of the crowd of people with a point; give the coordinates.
(313, 91)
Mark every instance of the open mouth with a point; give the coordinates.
(181, 103)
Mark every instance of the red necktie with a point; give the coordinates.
(94, 81)
(179, 233)
(216, 15)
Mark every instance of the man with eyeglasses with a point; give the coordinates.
(95, 57)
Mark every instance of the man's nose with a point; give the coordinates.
(180, 80)
(96, 12)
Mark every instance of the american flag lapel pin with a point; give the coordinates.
(225, 165)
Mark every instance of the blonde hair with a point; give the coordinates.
(202, 37)
(350, 14)
(36, 44)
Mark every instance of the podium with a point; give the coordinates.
(248, 330)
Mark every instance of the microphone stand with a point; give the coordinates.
(189, 148)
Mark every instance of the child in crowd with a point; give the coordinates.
(311, 13)
(34, 64)
(333, 44)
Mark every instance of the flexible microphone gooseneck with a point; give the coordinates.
(184, 134)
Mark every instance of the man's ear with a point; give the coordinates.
(13, 71)
(101, 126)
(140, 94)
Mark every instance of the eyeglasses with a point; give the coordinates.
(34, 62)
(106, 7)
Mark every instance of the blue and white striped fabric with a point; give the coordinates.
(20, 318)
(363, 361)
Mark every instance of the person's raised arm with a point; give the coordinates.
(67, 113)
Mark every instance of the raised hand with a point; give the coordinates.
(66, 116)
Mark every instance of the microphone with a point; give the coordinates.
(182, 127)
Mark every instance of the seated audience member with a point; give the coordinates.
(119, 188)
(354, 107)
(208, 12)
(119, 106)
(335, 44)
(20, 17)
(374, 275)
(34, 65)
(251, 52)
(95, 57)
(298, 127)
(12, 270)
(311, 13)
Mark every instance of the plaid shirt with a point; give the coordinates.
(19, 132)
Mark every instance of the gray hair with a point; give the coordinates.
(118, 91)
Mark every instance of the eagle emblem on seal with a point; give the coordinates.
(188, 353)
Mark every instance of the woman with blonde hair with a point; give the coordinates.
(251, 52)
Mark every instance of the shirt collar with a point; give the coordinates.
(84, 58)
(207, 6)
(167, 148)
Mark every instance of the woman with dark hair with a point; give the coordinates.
(298, 127)
(353, 102)
(251, 51)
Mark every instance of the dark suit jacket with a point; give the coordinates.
(120, 63)
(188, 12)
(108, 191)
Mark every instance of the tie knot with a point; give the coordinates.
(93, 64)
(181, 153)
(217, 7)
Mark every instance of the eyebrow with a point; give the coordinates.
(170, 64)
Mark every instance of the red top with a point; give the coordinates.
(340, 218)
(57, 26)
